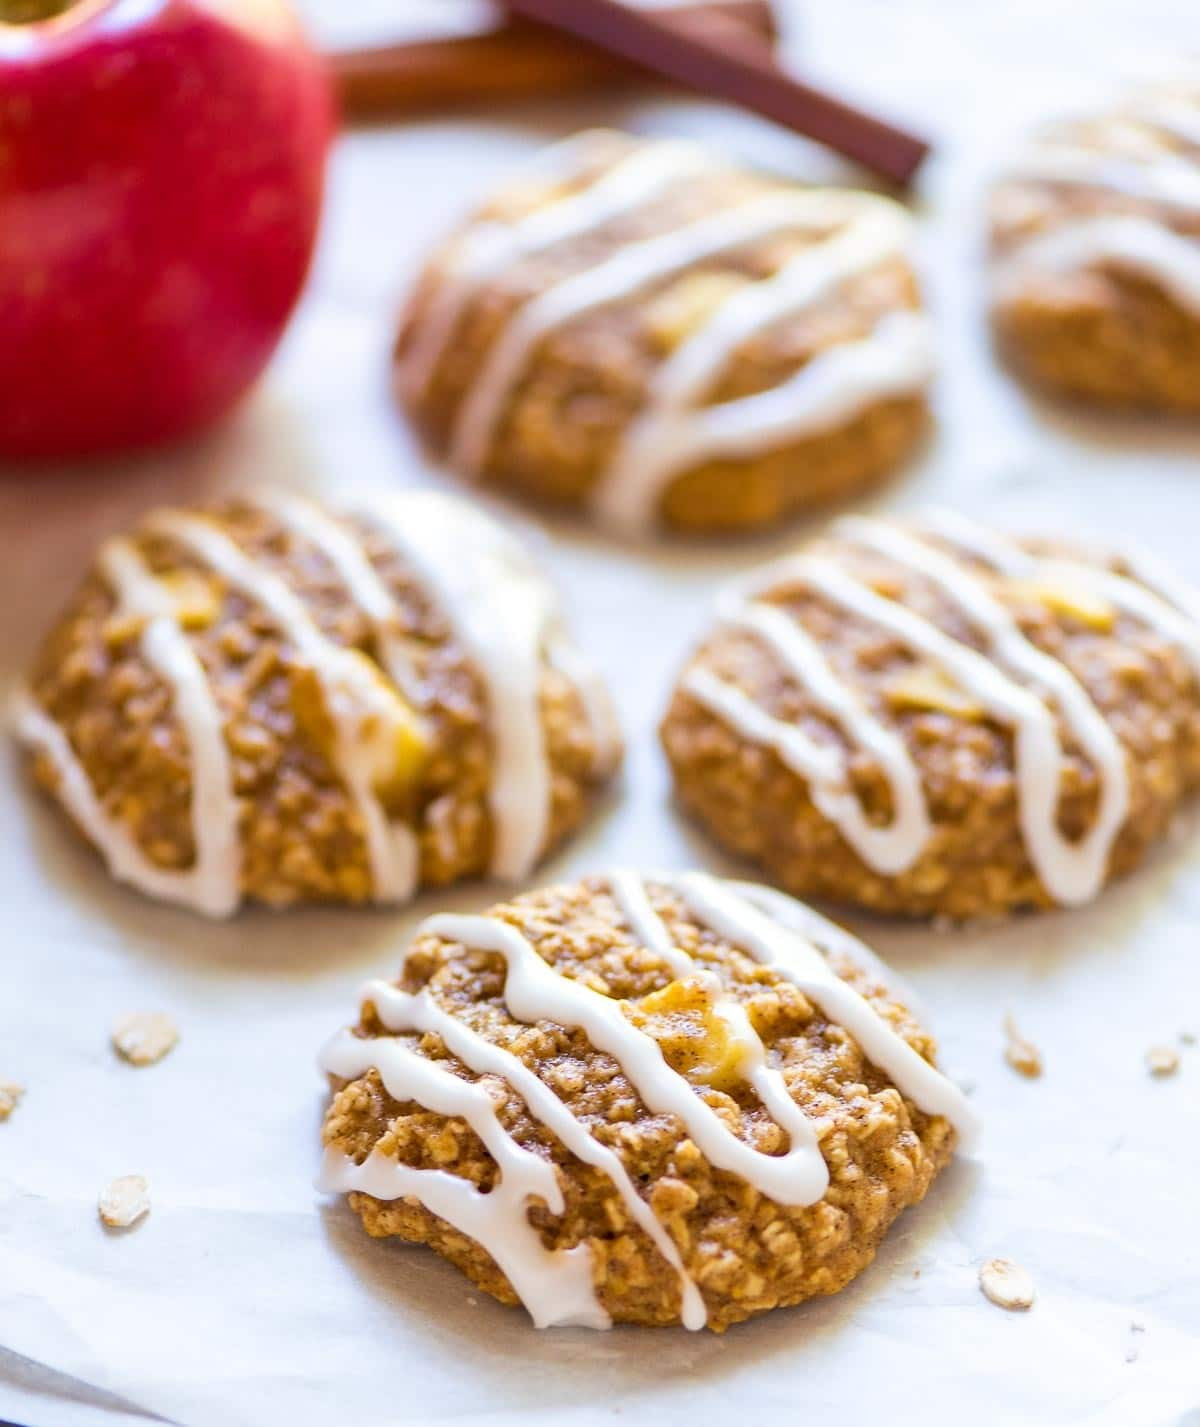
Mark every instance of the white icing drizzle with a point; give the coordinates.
(370, 595)
(671, 433)
(629, 271)
(505, 616)
(793, 956)
(895, 360)
(211, 884)
(1137, 244)
(1138, 162)
(1150, 570)
(534, 991)
(889, 848)
(354, 694)
(1156, 596)
(491, 246)
(555, 1286)
(1171, 180)
(1072, 872)
(1012, 680)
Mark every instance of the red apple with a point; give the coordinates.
(161, 173)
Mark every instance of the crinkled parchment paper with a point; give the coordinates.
(246, 1301)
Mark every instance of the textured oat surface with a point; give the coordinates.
(1105, 334)
(588, 379)
(975, 862)
(301, 834)
(746, 1252)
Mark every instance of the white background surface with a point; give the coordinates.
(243, 1299)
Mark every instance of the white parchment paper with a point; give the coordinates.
(243, 1298)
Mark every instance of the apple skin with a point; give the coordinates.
(161, 174)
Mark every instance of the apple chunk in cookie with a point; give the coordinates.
(935, 719)
(273, 701)
(652, 1100)
(643, 330)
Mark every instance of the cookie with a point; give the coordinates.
(1095, 235)
(941, 720)
(639, 1100)
(276, 702)
(641, 330)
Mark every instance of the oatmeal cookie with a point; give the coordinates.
(275, 702)
(938, 720)
(641, 329)
(1095, 235)
(639, 1100)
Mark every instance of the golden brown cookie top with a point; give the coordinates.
(634, 309)
(633, 1051)
(274, 700)
(899, 670)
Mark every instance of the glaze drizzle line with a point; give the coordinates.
(1141, 163)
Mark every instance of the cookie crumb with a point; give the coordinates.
(1007, 1285)
(1162, 1060)
(1021, 1054)
(1187, 1037)
(125, 1201)
(10, 1096)
(144, 1037)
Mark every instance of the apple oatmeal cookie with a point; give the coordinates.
(1095, 234)
(276, 702)
(937, 720)
(639, 1100)
(642, 329)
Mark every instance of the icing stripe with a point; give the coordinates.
(1171, 180)
(305, 518)
(841, 381)
(490, 247)
(555, 1286)
(794, 958)
(770, 927)
(1156, 596)
(214, 882)
(1137, 244)
(671, 434)
(505, 615)
(400, 1012)
(353, 691)
(211, 885)
(627, 273)
(502, 613)
(534, 991)
(1072, 871)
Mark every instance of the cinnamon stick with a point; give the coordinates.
(734, 69)
(515, 59)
